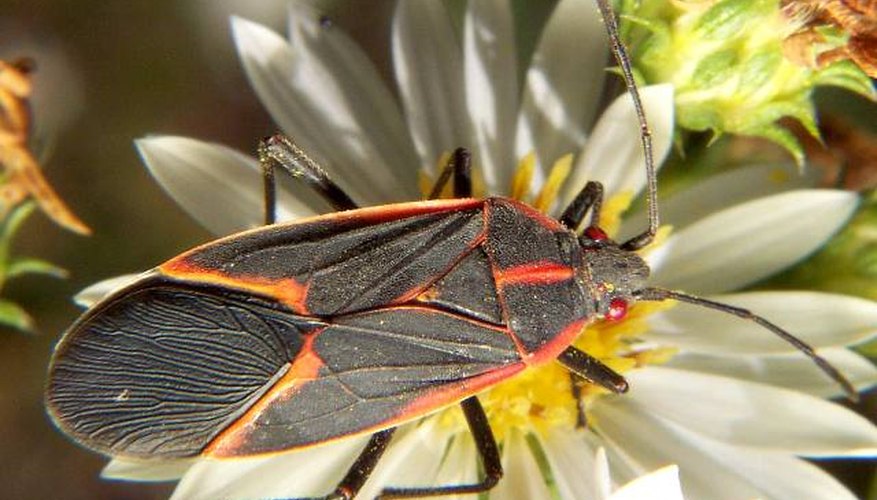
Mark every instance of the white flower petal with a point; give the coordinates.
(269, 63)
(779, 476)
(221, 188)
(460, 464)
(752, 415)
(412, 459)
(794, 372)
(713, 470)
(647, 442)
(602, 478)
(490, 71)
(93, 294)
(429, 69)
(310, 472)
(326, 95)
(613, 154)
(745, 243)
(623, 468)
(663, 484)
(572, 461)
(153, 470)
(375, 129)
(820, 319)
(563, 85)
(522, 478)
(722, 190)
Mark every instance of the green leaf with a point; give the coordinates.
(757, 71)
(26, 265)
(783, 137)
(16, 217)
(845, 74)
(833, 36)
(727, 19)
(698, 116)
(656, 28)
(796, 106)
(14, 316)
(808, 120)
(868, 350)
(10, 225)
(715, 69)
(872, 494)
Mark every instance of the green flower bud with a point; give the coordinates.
(727, 62)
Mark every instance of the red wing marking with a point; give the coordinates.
(304, 368)
(370, 371)
(287, 290)
(545, 221)
(552, 349)
(447, 395)
(428, 403)
(444, 396)
(339, 263)
(534, 273)
(401, 210)
(379, 213)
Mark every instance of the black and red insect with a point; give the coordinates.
(294, 335)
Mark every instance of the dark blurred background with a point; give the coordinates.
(108, 73)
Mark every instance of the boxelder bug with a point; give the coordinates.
(293, 335)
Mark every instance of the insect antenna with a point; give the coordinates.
(658, 294)
(621, 55)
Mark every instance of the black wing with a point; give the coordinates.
(173, 369)
(345, 262)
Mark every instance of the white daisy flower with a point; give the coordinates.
(729, 403)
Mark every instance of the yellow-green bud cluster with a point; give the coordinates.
(726, 60)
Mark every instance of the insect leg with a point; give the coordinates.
(280, 150)
(270, 189)
(362, 468)
(460, 165)
(590, 197)
(584, 367)
(575, 384)
(486, 445)
(592, 370)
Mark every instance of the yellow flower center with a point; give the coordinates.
(542, 398)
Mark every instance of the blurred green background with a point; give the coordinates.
(108, 73)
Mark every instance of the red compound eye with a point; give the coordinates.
(617, 309)
(595, 233)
